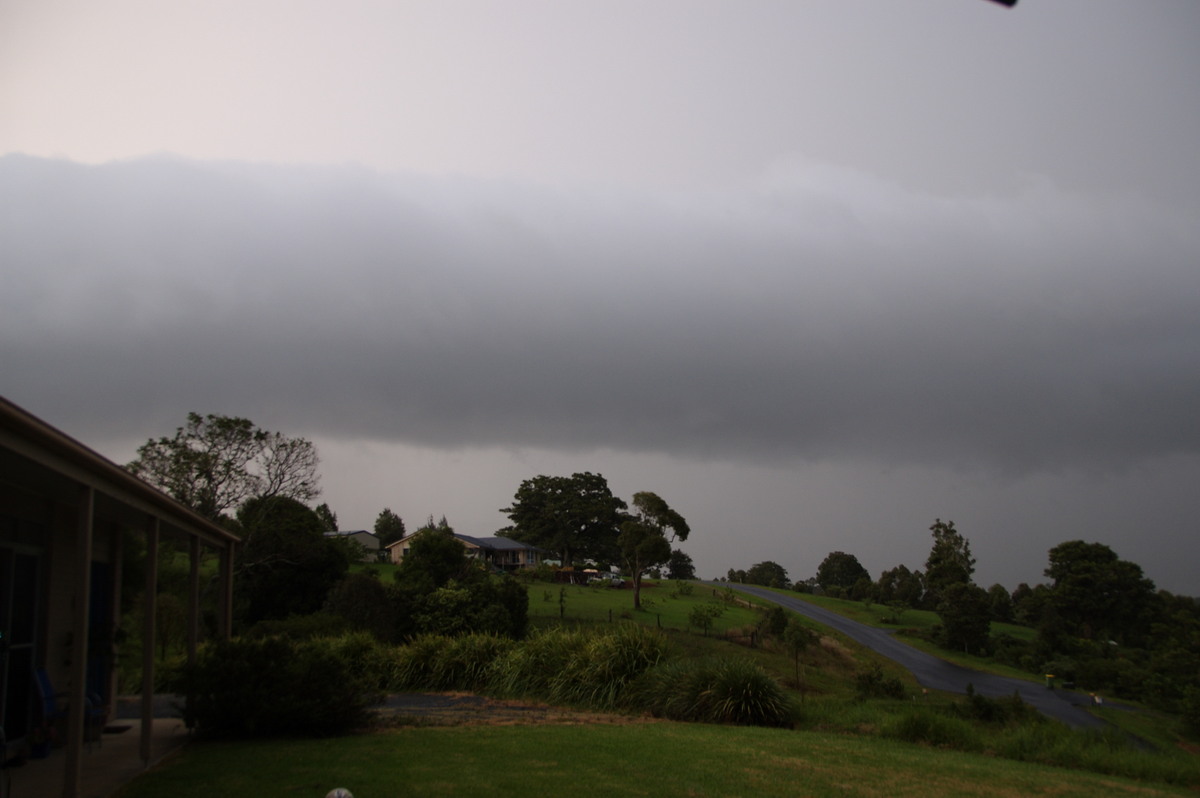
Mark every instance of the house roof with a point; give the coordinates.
(55, 461)
(496, 543)
(339, 533)
(493, 543)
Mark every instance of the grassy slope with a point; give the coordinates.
(639, 759)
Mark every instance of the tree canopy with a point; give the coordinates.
(215, 463)
(767, 574)
(643, 539)
(950, 561)
(286, 566)
(577, 516)
(388, 527)
(840, 570)
(680, 565)
(1102, 595)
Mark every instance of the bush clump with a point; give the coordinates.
(873, 684)
(276, 686)
(711, 690)
(597, 673)
(933, 728)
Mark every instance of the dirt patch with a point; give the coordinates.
(466, 709)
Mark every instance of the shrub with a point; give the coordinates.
(932, 728)
(709, 690)
(596, 673)
(274, 686)
(465, 663)
(527, 669)
(872, 684)
(415, 664)
(299, 627)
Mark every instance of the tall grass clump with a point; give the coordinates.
(1108, 751)
(922, 725)
(528, 669)
(597, 674)
(440, 662)
(466, 662)
(710, 690)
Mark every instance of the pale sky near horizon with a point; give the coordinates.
(817, 272)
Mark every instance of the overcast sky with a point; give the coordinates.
(816, 272)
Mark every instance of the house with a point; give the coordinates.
(68, 517)
(368, 541)
(498, 552)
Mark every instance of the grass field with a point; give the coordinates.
(843, 745)
(614, 760)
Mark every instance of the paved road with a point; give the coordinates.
(938, 674)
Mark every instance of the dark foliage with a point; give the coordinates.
(275, 686)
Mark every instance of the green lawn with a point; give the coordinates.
(637, 759)
(664, 605)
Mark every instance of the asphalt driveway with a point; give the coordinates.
(935, 673)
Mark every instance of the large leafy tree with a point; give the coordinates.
(840, 570)
(214, 464)
(1101, 595)
(286, 565)
(434, 558)
(950, 561)
(966, 614)
(440, 590)
(900, 586)
(768, 574)
(577, 516)
(388, 527)
(644, 541)
(680, 566)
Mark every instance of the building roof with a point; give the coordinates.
(493, 543)
(345, 533)
(496, 543)
(43, 454)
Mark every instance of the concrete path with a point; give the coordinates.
(935, 673)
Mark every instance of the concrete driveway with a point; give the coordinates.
(935, 673)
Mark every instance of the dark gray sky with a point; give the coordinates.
(816, 272)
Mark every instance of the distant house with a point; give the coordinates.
(368, 541)
(502, 553)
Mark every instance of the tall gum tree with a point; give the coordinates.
(643, 540)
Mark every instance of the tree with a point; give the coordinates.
(213, 464)
(362, 600)
(703, 616)
(1001, 600)
(434, 558)
(900, 587)
(643, 540)
(440, 590)
(388, 527)
(328, 517)
(680, 566)
(950, 561)
(577, 516)
(767, 574)
(966, 614)
(797, 638)
(1103, 596)
(286, 566)
(840, 570)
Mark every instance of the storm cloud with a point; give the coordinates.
(815, 272)
(811, 313)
